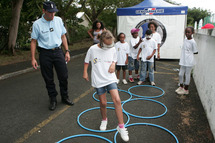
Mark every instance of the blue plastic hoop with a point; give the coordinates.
(85, 135)
(112, 102)
(98, 131)
(142, 117)
(149, 124)
(163, 92)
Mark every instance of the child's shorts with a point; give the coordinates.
(118, 67)
(133, 64)
(107, 88)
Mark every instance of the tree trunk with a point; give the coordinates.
(67, 31)
(114, 31)
(14, 24)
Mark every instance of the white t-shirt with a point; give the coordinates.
(122, 49)
(156, 36)
(101, 59)
(133, 52)
(187, 53)
(148, 46)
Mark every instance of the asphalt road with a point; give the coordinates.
(25, 116)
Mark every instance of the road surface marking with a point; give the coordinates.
(50, 118)
(164, 73)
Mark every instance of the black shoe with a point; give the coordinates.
(67, 101)
(53, 105)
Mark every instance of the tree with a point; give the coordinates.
(4, 26)
(196, 14)
(64, 7)
(14, 24)
(172, 2)
(20, 15)
(93, 8)
(105, 10)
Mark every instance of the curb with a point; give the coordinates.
(13, 74)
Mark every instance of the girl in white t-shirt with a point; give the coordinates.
(155, 35)
(187, 61)
(122, 50)
(103, 58)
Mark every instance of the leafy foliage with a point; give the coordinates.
(196, 14)
(4, 25)
(109, 16)
(104, 10)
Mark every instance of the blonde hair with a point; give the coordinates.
(105, 35)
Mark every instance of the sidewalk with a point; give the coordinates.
(11, 70)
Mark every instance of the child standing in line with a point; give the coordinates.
(122, 50)
(133, 63)
(148, 49)
(187, 61)
(103, 58)
(156, 36)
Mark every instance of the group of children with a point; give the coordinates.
(138, 50)
(105, 58)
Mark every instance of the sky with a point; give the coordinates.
(203, 4)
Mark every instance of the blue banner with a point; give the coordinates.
(153, 7)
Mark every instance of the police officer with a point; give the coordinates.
(49, 32)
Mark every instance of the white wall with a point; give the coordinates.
(204, 72)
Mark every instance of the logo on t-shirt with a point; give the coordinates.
(95, 60)
(108, 61)
(143, 26)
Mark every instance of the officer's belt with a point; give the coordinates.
(56, 48)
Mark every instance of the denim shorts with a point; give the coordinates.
(133, 64)
(107, 88)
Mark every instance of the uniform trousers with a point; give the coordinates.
(49, 59)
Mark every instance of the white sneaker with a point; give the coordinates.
(183, 91)
(139, 82)
(118, 80)
(178, 89)
(103, 125)
(123, 133)
(124, 81)
(152, 83)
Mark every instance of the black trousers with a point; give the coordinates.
(49, 59)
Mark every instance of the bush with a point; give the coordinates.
(3, 38)
(78, 33)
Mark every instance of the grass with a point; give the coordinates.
(22, 55)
